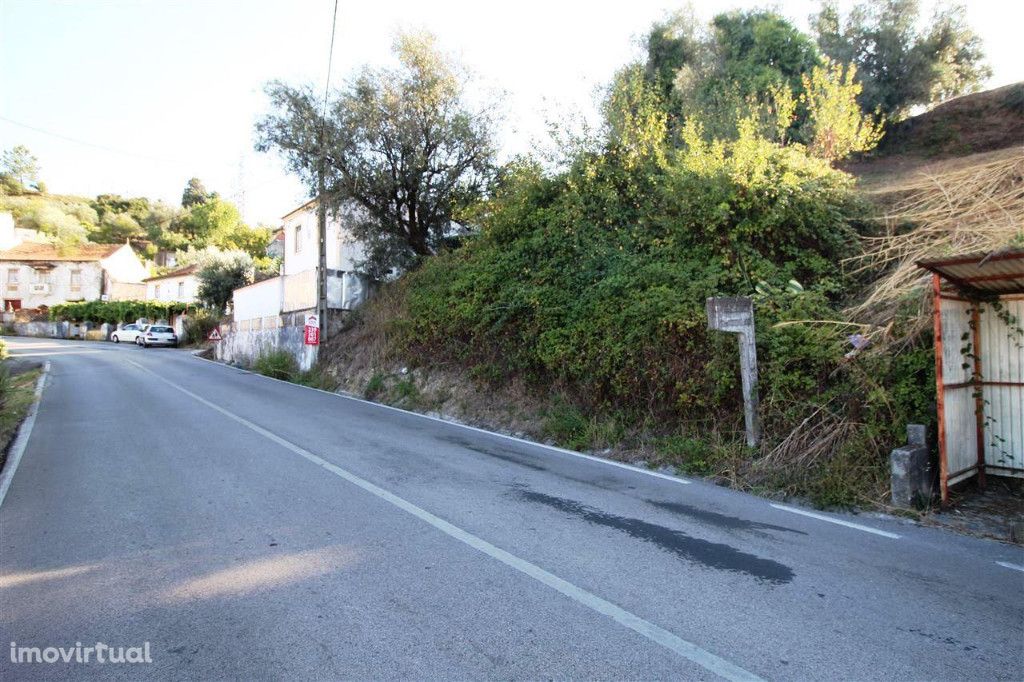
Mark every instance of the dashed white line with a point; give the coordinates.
(24, 432)
(654, 633)
(840, 522)
(1007, 564)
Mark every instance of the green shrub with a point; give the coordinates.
(113, 312)
(277, 364)
(5, 390)
(691, 455)
(406, 391)
(317, 378)
(374, 387)
(198, 326)
(3, 350)
(567, 426)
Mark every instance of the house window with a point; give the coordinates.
(181, 291)
(156, 291)
(42, 276)
(12, 279)
(298, 238)
(76, 280)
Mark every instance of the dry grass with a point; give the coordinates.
(964, 206)
(368, 341)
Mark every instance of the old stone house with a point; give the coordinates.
(34, 274)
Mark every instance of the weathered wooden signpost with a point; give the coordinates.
(735, 314)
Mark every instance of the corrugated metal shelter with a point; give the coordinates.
(979, 365)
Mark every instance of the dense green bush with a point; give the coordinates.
(198, 325)
(597, 277)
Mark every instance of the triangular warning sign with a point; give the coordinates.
(214, 334)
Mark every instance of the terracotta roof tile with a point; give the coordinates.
(36, 251)
(188, 270)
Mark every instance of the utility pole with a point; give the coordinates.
(321, 198)
(321, 268)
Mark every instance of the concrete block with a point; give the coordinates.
(911, 470)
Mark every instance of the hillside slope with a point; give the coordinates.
(826, 437)
(951, 136)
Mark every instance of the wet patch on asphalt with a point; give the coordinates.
(721, 520)
(504, 454)
(710, 554)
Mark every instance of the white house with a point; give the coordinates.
(296, 288)
(179, 285)
(34, 274)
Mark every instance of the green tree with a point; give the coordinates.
(116, 228)
(65, 228)
(677, 49)
(837, 125)
(759, 50)
(220, 274)
(401, 145)
(899, 65)
(210, 222)
(745, 63)
(252, 240)
(20, 165)
(195, 193)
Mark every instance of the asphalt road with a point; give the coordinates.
(252, 529)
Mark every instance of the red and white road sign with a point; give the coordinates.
(312, 335)
(214, 334)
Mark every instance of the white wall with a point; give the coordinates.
(343, 251)
(124, 266)
(168, 288)
(262, 299)
(57, 279)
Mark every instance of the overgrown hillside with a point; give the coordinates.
(577, 315)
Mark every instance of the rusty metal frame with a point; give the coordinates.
(965, 284)
(940, 389)
(977, 382)
(979, 398)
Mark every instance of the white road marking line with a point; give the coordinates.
(592, 458)
(1007, 564)
(674, 643)
(840, 522)
(20, 354)
(21, 441)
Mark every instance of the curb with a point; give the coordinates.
(21, 440)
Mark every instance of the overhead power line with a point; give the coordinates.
(89, 144)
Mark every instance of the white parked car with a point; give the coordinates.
(128, 333)
(157, 335)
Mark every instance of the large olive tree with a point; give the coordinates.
(403, 150)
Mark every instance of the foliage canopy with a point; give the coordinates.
(403, 150)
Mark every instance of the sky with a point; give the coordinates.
(134, 97)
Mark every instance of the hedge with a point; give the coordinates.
(117, 311)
